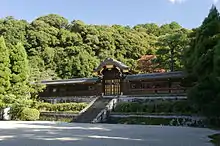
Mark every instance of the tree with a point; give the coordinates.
(54, 20)
(171, 49)
(202, 63)
(13, 30)
(147, 64)
(19, 70)
(5, 70)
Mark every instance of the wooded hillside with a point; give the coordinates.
(59, 49)
(51, 47)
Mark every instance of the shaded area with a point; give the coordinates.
(158, 120)
(66, 134)
(215, 138)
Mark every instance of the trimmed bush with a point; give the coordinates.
(29, 114)
(61, 107)
(177, 107)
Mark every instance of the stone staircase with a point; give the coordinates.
(92, 111)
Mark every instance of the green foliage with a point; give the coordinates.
(4, 66)
(17, 104)
(29, 114)
(202, 63)
(59, 49)
(19, 70)
(215, 139)
(14, 31)
(171, 49)
(61, 107)
(177, 107)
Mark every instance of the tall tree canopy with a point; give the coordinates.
(19, 70)
(202, 64)
(4, 68)
(61, 48)
(56, 48)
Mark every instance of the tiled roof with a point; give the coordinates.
(110, 61)
(71, 81)
(175, 74)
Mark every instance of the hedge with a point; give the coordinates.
(76, 107)
(178, 107)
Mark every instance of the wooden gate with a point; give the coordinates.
(112, 87)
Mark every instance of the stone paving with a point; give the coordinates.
(43, 133)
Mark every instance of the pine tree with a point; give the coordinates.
(206, 39)
(4, 68)
(204, 59)
(19, 70)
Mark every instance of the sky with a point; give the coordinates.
(188, 13)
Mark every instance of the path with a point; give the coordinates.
(78, 134)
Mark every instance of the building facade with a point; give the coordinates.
(114, 79)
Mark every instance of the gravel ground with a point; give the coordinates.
(43, 133)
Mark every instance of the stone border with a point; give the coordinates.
(160, 116)
(62, 114)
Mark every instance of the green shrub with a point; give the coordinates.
(178, 107)
(61, 107)
(29, 114)
(215, 139)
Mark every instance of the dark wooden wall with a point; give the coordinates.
(65, 90)
(134, 87)
(156, 86)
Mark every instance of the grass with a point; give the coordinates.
(215, 139)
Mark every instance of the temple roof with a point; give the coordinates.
(70, 81)
(110, 61)
(176, 74)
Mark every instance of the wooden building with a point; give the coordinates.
(113, 79)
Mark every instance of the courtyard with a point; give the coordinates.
(43, 133)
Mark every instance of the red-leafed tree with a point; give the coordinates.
(147, 64)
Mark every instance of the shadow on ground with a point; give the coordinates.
(75, 134)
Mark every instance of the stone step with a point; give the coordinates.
(93, 111)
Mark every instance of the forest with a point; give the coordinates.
(51, 47)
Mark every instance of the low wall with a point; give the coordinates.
(68, 114)
(58, 114)
(145, 99)
(160, 116)
(67, 99)
(168, 120)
